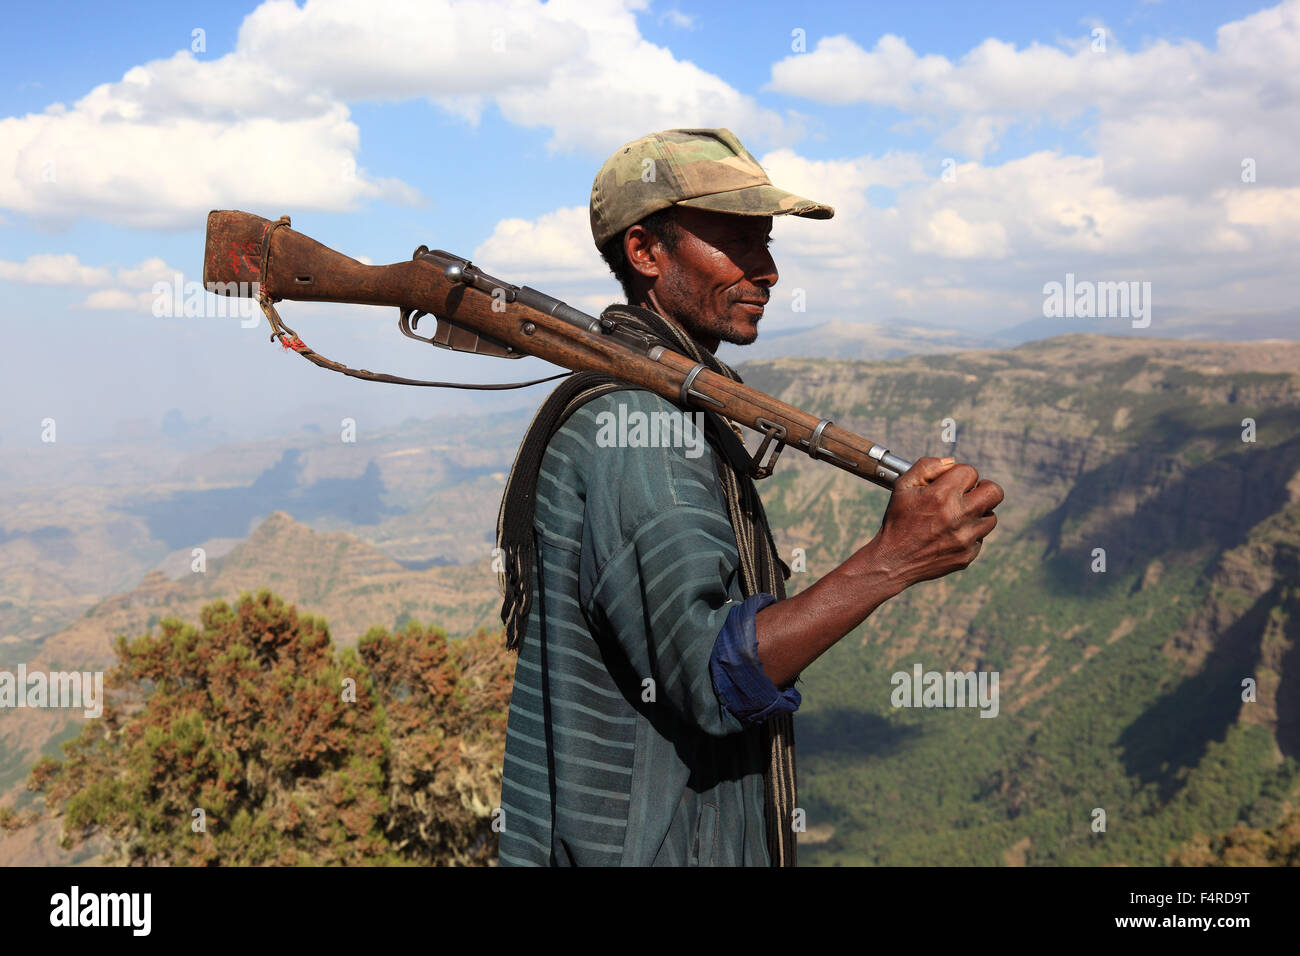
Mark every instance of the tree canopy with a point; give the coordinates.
(250, 740)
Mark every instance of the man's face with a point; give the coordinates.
(717, 279)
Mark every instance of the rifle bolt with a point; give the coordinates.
(529, 328)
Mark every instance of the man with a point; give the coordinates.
(650, 720)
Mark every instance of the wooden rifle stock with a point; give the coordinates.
(248, 255)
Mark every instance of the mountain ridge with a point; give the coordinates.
(1121, 689)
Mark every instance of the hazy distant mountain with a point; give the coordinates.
(874, 341)
(334, 574)
(1250, 327)
(854, 340)
(81, 522)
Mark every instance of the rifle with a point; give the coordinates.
(250, 256)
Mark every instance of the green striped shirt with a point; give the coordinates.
(618, 748)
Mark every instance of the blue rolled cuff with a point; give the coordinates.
(738, 677)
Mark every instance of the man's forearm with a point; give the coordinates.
(795, 632)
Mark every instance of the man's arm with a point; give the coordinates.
(938, 515)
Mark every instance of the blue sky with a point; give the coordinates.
(378, 132)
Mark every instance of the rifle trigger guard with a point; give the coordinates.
(409, 320)
(771, 432)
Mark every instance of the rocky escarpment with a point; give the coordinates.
(1143, 567)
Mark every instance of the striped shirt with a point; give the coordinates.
(619, 750)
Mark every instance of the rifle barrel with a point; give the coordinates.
(249, 255)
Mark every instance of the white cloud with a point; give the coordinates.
(117, 300)
(973, 251)
(129, 288)
(948, 235)
(675, 18)
(603, 98)
(977, 250)
(553, 253)
(394, 50)
(840, 71)
(1171, 117)
(268, 124)
(46, 269)
(136, 161)
(1274, 209)
(557, 246)
(146, 274)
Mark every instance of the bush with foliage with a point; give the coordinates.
(1244, 846)
(249, 740)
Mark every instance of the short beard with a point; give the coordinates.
(697, 327)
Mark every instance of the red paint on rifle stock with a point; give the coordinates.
(248, 254)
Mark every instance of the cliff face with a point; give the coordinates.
(1121, 687)
(333, 574)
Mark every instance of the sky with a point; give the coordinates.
(973, 154)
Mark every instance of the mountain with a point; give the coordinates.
(82, 522)
(855, 340)
(334, 574)
(1120, 689)
(898, 338)
(1249, 327)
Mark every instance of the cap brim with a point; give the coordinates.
(760, 201)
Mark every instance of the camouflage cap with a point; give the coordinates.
(701, 168)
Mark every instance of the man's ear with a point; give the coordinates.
(642, 249)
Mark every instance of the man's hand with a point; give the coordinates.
(937, 519)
